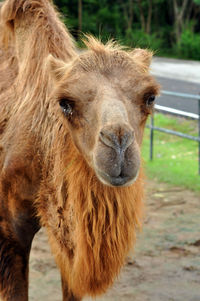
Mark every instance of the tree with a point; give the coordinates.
(146, 22)
(157, 24)
(128, 13)
(179, 14)
(80, 15)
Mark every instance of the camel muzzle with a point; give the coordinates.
(117, 160)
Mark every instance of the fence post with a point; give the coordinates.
(152, 136)
(199, 133)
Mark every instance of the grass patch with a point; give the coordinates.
(175, 159)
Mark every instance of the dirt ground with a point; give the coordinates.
(166, 262)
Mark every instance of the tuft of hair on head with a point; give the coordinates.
(96, 45)
(141, 56)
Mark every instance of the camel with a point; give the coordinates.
(71, 128)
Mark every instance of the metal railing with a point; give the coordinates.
(179, 113)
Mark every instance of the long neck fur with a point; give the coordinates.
(91, 227)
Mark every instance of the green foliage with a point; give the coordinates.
(126, 22)
(197, 2)
(189, 46)
(138, 38)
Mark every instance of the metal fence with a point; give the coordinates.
(175, 112)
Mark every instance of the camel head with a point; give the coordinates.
(104, 97)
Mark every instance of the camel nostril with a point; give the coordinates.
(108, 138)
(117, 137)
(127, 139)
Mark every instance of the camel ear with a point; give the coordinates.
(57, 68)
(142, 55)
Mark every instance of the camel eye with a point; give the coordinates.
(67, 107)
(150, 100)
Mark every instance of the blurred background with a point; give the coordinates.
(170, 27)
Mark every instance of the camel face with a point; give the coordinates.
(105, 97)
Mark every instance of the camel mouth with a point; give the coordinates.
(120, 180)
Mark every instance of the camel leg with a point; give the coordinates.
(19, 180)
(16, 236)
(68, 296)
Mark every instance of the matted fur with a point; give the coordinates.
(91, 227)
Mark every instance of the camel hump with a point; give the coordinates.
(30, 30)
(11, 9)
(34, 23)
(8, 61)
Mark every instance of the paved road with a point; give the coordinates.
(184, 104)
(179, 76)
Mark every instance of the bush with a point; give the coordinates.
(138, 38)
(189, 46)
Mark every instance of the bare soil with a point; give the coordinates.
(166, 262)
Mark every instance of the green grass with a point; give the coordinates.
(175, 159)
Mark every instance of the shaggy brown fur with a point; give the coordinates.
(50, 164)
(93, 219)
